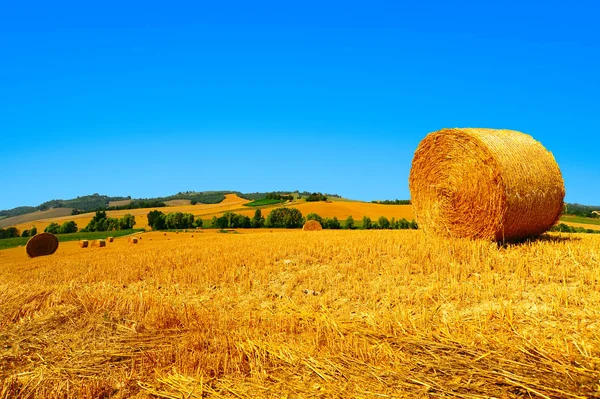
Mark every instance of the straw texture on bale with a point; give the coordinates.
(485, 183)
(83, 243)
(41, 244)
(312, 225)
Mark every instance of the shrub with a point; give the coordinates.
(68, 227)
(367, 224)
(349, 223)
(52, 228)
(384, 223)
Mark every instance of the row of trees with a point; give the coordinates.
(313, 197)
(65, 228)
(276, 196)
(392, 202)
(565, 228)
(100, 222)
(385, 223)
(9, 232)
(157, 220)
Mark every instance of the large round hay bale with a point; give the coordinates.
(485, 183)
(312, 225)
(41, 244)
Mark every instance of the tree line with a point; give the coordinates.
(290, 218)
(393, 202)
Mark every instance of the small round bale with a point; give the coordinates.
(110, 239)
(83, 243)
(490, 184)
(41, 244)
(312, 225)
(133, 240)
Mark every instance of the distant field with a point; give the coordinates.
(97, 235)
(580, 220)
(119, 203)
(178, 202)
(31, 217)
(264, 202)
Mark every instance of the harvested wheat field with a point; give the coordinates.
(369, 314)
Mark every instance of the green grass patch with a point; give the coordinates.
(96, 235)
(264, 202)
(579, 219)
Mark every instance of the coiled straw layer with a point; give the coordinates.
(485, 183)
(41, 244)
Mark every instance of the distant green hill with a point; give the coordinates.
(94, 202)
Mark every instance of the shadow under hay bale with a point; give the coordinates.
(41, 244)
(492, 184)
(312, 225)
(83, 243)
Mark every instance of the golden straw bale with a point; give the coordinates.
(110, 239)
(41, 244)
(312, 225)
(485, 183)
(101, 243)
(133, 240)
(83, 243)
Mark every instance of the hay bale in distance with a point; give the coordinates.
(312, 225)
(110, 239)
(41, 244)
(83, 243)
(101, 243)
(133, 240)
(492, 184)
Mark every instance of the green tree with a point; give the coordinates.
(403, 224)
(156, 220)
(384, 223)
(33, 231)
(198, 222)
(349, 223)
(127, 222)
(333, 223)
(221, 222)
(99, 216)
(68, 227)
(413, 225)
(25, 233)
(52, 228)
(258, 220)
(367, 224)
(285, 218)
(193, 202)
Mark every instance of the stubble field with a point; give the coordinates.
(367, 314)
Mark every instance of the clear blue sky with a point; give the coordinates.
(148, 99)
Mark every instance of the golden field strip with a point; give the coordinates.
(233, 203)
(286, 313)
